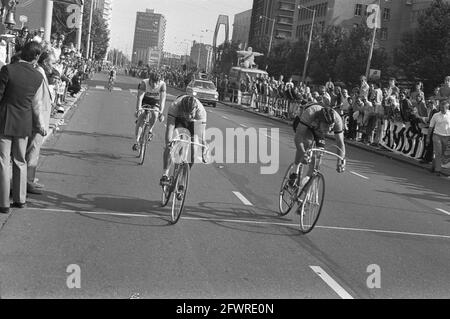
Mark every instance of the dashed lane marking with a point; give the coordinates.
(244, 200)
(331, 282)
(100, 87)
(359, 175)
(117, 89)
(443, 211)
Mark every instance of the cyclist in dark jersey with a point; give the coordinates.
(313, 125)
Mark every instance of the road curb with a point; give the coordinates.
(54, 127)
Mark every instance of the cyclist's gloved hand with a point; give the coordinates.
(161, 118)
(341, 166)
(306, 160)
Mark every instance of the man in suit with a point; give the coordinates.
(21, 95)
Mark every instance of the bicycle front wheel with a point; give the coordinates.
(143, 146)
(311, 207)
(180, 192)
(167, 190)
(287, 192)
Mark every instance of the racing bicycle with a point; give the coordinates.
(308, 197)
(178, 184)
(110, 84)
(146, 136)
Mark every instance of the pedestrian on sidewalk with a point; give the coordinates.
(36, 140)
(440, 128)
(444, 91)
(21, 89)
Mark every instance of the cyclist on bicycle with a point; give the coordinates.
(112, 75)
(185, 112)
(317, 120)
(151, 92)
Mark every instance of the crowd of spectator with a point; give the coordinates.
(35, 80)
(365, 108)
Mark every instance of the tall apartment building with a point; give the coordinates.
(149, 32)
(106, 7)
(241, 28)
(202, 56)
(293, 19)
(279, 15)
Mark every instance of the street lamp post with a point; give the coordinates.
(309, 42)
(271, 34)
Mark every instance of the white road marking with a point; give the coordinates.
(133, 91)
(359, 175)
(331, 282)
(244, 126)
(243, 199)
(117, 89)
(254, 222)
(226, 118)
(443, 211)
(100, 87)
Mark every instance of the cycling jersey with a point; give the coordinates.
(175, 110)
(152, 93)
(309, 119)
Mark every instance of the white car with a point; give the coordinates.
(203, 90)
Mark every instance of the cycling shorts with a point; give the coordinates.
(182, 123)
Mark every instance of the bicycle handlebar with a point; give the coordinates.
(151, 108)
(189, 142)
(320, 150)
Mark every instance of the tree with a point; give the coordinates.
(424, 53)
(353, 54)
(99, 30)
(228, 57)
(325, 50)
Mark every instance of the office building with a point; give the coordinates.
(293, 18)
(149, 32)
(149, 56)
(171, 60)
(105, 6)
(202, 56)
(241, 28)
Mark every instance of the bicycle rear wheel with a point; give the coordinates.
(288, 193)
(312, 205)
(179, 192)
(143, 145)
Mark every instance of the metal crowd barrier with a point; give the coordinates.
(276, 106)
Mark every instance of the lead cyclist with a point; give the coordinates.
(316, 121)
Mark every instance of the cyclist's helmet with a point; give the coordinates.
(188, 104)
(327, 116)
(154, 77)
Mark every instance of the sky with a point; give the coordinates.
(186, 19)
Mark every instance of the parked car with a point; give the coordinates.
(203, 90)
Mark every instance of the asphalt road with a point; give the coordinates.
(101, 212)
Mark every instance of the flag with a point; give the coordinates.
(374, 18)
